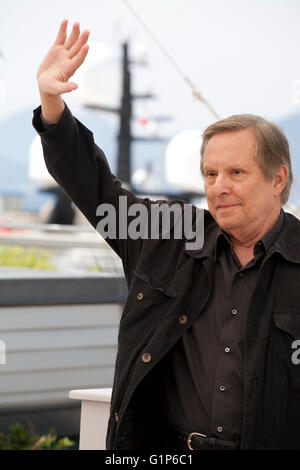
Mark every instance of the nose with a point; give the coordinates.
(221, 185)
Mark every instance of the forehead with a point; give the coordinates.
(231, 147)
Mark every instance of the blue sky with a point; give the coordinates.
(242, 55)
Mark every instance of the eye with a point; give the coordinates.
(210, 173)
(237, 171)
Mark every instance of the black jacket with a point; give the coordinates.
(162, 270)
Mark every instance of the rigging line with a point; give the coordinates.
(196, 92)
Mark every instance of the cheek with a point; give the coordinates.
(209, 195)
(253, 198)
(245, 193)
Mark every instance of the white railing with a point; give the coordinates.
(66, 243)
(47, 235)
(95, 406)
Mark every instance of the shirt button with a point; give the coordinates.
(227, 350)
(234, 311)
(222, 388)
(116, 417)
(146, 357)
(183, 319)
(219, 429)
(140, 296)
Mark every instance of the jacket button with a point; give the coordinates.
(183, 319)
(116, 417)
(146, 357)
(140, 296)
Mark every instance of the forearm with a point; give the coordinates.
(74, 161)
(52, 107)
(78, 165)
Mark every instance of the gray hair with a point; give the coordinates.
(272, 145)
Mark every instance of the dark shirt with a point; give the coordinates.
(205, 393)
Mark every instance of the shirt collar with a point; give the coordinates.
(265, 242)
(287, 243)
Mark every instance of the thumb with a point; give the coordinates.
(67, 87)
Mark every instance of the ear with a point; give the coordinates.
(280, 179)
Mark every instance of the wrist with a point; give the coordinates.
(52, 107)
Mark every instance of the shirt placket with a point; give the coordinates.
(228, 376)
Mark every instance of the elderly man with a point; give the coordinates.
(208, 339)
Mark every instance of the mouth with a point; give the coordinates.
(225, 207)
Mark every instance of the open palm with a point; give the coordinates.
(62, 60)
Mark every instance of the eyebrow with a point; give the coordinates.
(231, 167)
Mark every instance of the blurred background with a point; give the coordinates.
(241, 55)
(149, 62)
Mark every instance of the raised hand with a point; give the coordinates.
(62, 60)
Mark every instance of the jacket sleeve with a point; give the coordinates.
(80, 167)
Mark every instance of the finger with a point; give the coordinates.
(62, 33)
(79, 44)
(73, 36)
(79, 58)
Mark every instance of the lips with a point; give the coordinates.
(226, 206)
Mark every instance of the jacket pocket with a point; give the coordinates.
(147, 303)
(155, 283)
(287, 350)
(288, 322)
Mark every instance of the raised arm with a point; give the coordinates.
(58, 66)
(76, 163)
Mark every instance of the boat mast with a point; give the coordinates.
(124, 157)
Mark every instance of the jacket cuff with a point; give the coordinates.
(46, 124)
(53, 132)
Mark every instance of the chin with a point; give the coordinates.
(226, 223)
(228, 220)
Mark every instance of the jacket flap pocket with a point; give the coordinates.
(155, 283)
(289, 322)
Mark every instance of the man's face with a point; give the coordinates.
(239, 196)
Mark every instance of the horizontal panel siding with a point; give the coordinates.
(52, 349)
(38, 396)
(60, 316)
(21, 383)
(58, 359)
(34, 399)
(42, 340)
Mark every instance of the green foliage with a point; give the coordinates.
(95, 269)
(18, 438)
(17, 256)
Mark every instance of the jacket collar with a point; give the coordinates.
(287, 243)
(211, 230)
